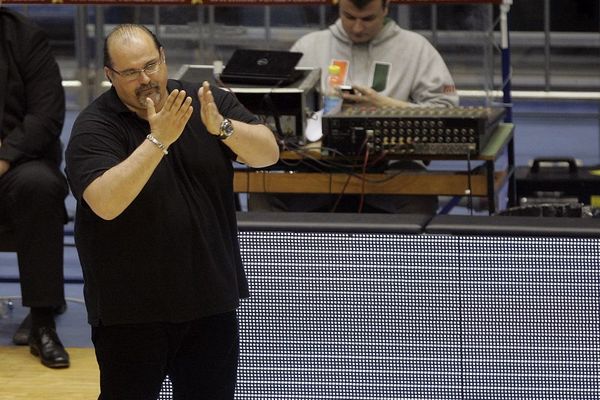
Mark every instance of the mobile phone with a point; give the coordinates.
(381, 74)
(347, 89)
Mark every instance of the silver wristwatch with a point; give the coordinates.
(226, 129)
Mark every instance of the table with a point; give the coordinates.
(484, 182)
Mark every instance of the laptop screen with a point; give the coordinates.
(261, 67)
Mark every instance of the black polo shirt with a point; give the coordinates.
(173, 254)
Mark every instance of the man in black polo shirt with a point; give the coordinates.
(149, 162)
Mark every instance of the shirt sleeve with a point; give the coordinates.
(95, 146)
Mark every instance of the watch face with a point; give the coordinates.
(226, 129)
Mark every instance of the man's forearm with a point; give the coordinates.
(255, 145)
(112, 192)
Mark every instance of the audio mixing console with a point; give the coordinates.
(411, 131)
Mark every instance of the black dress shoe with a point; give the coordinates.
(45, 344)
(21, 336)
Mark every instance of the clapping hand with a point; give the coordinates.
(211, 117)
(168, 124)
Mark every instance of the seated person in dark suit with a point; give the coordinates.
(388, 67)
(32, 187)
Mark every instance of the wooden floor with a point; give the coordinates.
(22, 376)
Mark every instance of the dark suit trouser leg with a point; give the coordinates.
(32, 198)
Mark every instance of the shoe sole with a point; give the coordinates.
(36, 353)
(21, 336)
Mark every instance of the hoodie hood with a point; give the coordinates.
(388, 31)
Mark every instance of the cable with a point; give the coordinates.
(268, 101)
(364, 171)
(469, 184)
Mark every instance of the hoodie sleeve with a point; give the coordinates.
(433, 86)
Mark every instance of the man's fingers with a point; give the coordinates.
(150, 107)
(186, 109)
(187, 103)
(182, 103)
(179, 100)
(204, 93)
(188, 113)
(171, 99)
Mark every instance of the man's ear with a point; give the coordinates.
(106, 73)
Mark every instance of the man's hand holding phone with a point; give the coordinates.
(367, 96)
(347, 91)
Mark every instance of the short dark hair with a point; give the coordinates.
(360, 4)
(126, 29)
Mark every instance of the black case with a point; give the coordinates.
(553, 178)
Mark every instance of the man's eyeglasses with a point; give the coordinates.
(134, 74)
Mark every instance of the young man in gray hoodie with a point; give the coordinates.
(386, 66)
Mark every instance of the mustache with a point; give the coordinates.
(142, 88)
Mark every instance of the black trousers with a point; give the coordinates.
(200, 357)
(32, 203)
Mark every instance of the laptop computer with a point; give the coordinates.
(262, 67)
